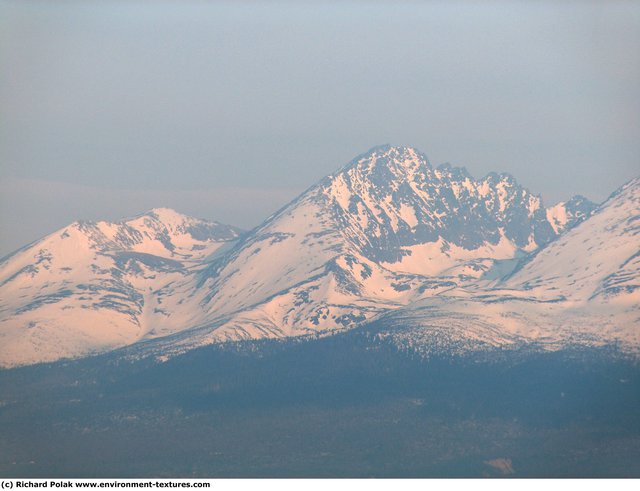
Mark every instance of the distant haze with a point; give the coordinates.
(228, 110)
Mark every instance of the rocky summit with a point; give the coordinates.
(428, 256)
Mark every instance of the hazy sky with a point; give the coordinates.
(228, 110)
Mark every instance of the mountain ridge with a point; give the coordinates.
(89, 286)
(383, 233)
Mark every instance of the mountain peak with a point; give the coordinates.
(384, 232)
(390, 199)
(166, 215)
(381, 159)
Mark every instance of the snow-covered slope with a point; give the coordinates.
(383, 232)
(93, 286)
(597, 261)
(434, 256)
(582, 289)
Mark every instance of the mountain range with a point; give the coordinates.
(429, 257)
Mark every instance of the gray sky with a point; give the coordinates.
(228, 110)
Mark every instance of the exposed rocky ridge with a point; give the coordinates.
(386, 237)
(391, 198)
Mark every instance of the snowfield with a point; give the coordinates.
(440, 260)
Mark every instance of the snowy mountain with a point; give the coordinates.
(93, 286)
(582, 289)
(597, 262)
(385, 231)
(429, 256)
